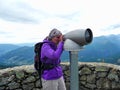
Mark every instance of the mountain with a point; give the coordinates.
(115, 39)
(20, 56)
(4, 48)
(26, 44)
(102, 49)
(105, 48)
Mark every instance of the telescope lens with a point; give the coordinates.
(88, 35)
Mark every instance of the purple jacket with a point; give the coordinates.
(50, 53)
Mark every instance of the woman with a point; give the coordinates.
(51, 51)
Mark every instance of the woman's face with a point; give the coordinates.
(56, 39)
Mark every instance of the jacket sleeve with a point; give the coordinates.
(50, 53)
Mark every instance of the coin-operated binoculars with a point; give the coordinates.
(74, 42)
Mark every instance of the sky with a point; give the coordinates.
(26, 21)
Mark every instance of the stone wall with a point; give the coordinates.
(92, 76)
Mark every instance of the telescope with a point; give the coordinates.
(76, 39)
(74, 42)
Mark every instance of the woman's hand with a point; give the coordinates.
(61, 38)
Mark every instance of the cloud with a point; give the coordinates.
(2, 32)
(32, 20)
(19, 12)
(112, 27)
(115, 26)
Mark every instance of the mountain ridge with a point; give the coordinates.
(103, 48)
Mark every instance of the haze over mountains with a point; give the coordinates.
(102, 49)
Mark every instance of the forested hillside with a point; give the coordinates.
(102, 49)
